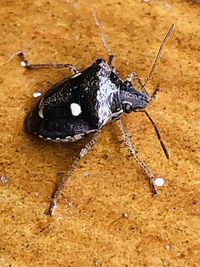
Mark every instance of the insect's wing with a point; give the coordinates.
(53, 117)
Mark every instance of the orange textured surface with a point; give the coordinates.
(89, 228)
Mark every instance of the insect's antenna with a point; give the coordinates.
(103, 39)
(158, 135)
(168, 34)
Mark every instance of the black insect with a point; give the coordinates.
(84, 103)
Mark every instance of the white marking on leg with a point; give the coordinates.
(75, 109)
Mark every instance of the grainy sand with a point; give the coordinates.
(89, 228)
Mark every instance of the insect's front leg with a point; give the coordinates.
(142, 164)
(84, 151)
(111, 59)
(25, 63)
(133, 76)
(154, 94)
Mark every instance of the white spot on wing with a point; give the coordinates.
(75, 109)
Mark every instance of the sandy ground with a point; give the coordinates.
(106, 215)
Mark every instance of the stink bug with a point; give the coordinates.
(86, 102)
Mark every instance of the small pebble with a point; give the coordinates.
(3, 179)
(168, 246)
(97, 262)
(83, 227)
(165, 263)
(85, 174)
(23, 63)
(37, 94)
(70, 204)
(125, 215)
(159, 182)
(59, 218)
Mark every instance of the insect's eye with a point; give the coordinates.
(127, 108)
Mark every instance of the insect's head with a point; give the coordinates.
(131, 99)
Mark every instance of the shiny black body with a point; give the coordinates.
(99, 93)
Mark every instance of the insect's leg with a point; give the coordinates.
(133, 76)
(142, 164)
(111, 59)
(24, 63)
(103, 39)
(154, 94)
(84, 151)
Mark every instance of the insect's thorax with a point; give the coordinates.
(101, 94)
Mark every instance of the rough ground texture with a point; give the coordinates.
(89, 228)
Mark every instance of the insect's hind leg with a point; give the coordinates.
(142, 164)
(84, 151)
(25, 63)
